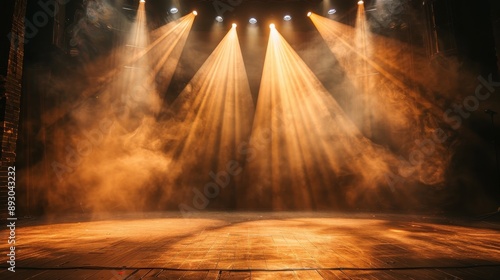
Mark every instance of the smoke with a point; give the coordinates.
(342, 125)
(416, 115)
(104, 148)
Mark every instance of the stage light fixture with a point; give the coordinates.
(143, 1)
(195, 13)
(253, 21)
(332, 11)
(361, 2)
(287, 18)
(174, 10)
(272, 26)
(234, 25)
(219, 19)
(309, 14)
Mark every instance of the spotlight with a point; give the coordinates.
(234, 25)
(253, 21)
(195, 13)
(272, 26)
(288, 18)
(332, 11)
(309, 14)
(174, 10)
(361, 2)
(143, 1)
(219, 19)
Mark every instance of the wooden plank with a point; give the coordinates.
(308, 275)
(333, 274)
(168, 274)
(261, 275)
(236, 275)
(153, 273)
(418, 274)
(76, 274)
(213, 275)
(113, 274)
(368, 274)
(140, 274)
(194, 275)
(456, 274)
(20, 274)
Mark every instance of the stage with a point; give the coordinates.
(287, 245)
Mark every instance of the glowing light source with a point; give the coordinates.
(361, 2)
(253, 21)
(174, 10)
(219, 19)
(309, 14)
(234, 25)
(332, 11)
(287, 18)
(143, 1)
(195, 13)
(272, 26)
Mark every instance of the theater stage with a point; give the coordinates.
(256, 246)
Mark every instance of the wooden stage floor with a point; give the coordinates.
(255, 246)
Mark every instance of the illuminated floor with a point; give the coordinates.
(256, 246)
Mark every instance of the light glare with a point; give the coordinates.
(272, 26)
(253, 21)
(219, 19)
(287, 18)
(361, 2)
(309, 14)
(332, 11)
(174, 10)
(234, 25)
(195, 13)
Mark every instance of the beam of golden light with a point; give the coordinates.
(161, 56)
(215, 113)
(305, 152)
(167, 55)
(360, 69)
(165, 49)
(383, 100)
(388, 57)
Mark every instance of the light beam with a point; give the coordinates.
(215, 113)
(305, 152)
(382, 98)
